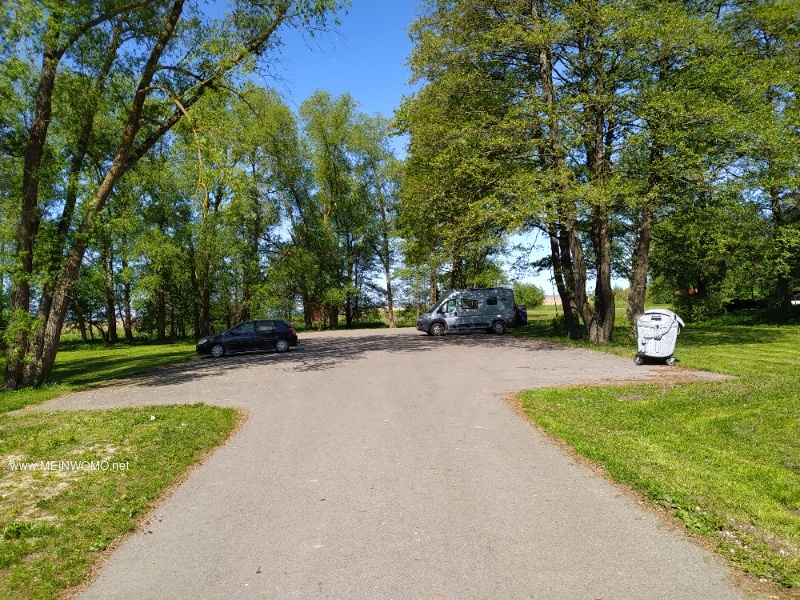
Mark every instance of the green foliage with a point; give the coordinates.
(528, 295)
(590, 120)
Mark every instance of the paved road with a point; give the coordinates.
(386, 464)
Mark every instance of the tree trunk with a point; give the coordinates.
(81, 321)
(562, 265)
(107, 261)
(308, 310)
(29, 217)
(389, 297)
(161, 315)
(127, 317)
(784, 281)
(604, 293)
(333, 316)
(641, 262)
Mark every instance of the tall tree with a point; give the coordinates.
(378, 175)
(169, 69)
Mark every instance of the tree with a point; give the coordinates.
(378, 175)
(164, 76)
(528, 295)
(768, 46)
(588, 120)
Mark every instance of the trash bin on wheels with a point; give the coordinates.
(657, 331)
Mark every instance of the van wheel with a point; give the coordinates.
(437, 329)
(499, 327)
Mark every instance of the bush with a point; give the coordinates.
(528, 295)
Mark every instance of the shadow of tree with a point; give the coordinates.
(326, 351)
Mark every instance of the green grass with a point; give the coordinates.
(79, 366)
(724, 457)
(56, 523)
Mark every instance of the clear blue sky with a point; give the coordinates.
(366, 58)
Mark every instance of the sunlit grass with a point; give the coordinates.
(56, 523)
(723, 456)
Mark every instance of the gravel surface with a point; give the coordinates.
(388, 464)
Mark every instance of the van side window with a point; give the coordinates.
(469, 303)
(491, 301)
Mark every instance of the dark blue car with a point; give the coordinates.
(250, 336)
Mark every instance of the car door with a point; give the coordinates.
(265, 335)
(240, 338)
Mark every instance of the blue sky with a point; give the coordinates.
(366, 58)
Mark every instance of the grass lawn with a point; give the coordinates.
(71, 483)
(723, 457)
(80, 366)
(56, 521)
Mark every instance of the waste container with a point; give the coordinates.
(657, 331)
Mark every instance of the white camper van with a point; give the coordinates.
(489, 309)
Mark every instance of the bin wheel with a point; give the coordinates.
(671, 361)
(638, 359)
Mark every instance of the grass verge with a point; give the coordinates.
(723, 457)
(79, 366)
(71, 483)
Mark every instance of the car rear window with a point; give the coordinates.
(469, 303)
(264, 327)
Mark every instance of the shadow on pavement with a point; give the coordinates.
(325, 351)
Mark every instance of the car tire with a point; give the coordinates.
(217, 350)
(499, 327)
(437, 329)
(638, 359)
(671, 361)
(281, 346)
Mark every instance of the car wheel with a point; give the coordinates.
(499, 327)
(281, 345)
(217, 350)
(671, 361)
(437, 329)
(638, 359)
